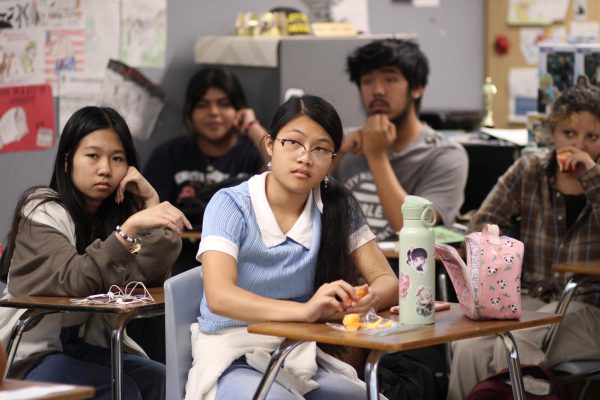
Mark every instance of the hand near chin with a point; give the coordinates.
(163, 215)
(134, 182)
(352, 143)
(378, 135)
(577, 162)
(243, 117)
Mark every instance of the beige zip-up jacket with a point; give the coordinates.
(45, 262)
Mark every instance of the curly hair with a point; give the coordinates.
(574, 100)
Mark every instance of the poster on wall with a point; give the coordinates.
(134, 96)
(588, 64)
(26, 118)
(20, 14)
(58, 14)
(21, 56)
(522, 93)
(64, 52)
(144, 33)
(76, 91)
(17, 14)
(557, 66)
(102, 32)
(536, 12)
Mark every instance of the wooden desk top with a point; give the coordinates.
(449, 325)
(64, 304)
(76, 393)
(587, 268)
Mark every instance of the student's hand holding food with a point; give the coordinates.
(363, 300)
(329, 299)
(134, 182)
(378, 134)
(572, 160)
(163, 215)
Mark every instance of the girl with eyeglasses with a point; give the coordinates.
(288, 245)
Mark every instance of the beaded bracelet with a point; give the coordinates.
(124, 235)
(248, 125)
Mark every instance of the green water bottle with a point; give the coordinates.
(416, 262)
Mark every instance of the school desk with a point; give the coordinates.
(38, 306)
(449, 326)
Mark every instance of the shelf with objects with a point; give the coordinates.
(270, 67)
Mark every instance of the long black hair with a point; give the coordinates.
(203, 80)
(334, 260)
(109, 214)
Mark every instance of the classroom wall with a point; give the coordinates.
(451, 35)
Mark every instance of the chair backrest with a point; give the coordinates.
(183, 293)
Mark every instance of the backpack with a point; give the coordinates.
(488, 285)
(496, 388)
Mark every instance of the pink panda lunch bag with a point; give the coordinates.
(488, 286)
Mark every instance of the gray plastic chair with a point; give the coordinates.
(183, 293)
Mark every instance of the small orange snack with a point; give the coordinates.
(562, 158)
(352, 322)
(360, 293)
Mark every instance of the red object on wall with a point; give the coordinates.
(501, 44)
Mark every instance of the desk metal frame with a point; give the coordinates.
(38, 306)
(398, 342)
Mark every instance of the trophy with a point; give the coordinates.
(489, 91)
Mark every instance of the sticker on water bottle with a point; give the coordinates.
(417, 259)
(404, 285)
(425, 301)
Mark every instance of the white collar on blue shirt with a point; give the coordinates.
(301, 231)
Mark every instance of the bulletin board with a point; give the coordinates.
(497, 66)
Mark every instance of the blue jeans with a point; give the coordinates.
(239, 381)
(84, 364)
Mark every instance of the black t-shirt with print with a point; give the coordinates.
(186, 177)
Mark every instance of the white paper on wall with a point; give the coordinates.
(522, 93)
(74, 92)
(144, 33)
(102, 33)
(354, 11)
(21, 56)
(137, 99)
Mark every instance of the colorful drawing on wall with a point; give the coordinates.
(137, 98)
(144, 33)
(57, 14)
(18, 14)
(21, 56)
(64, 52)
(26, 118)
